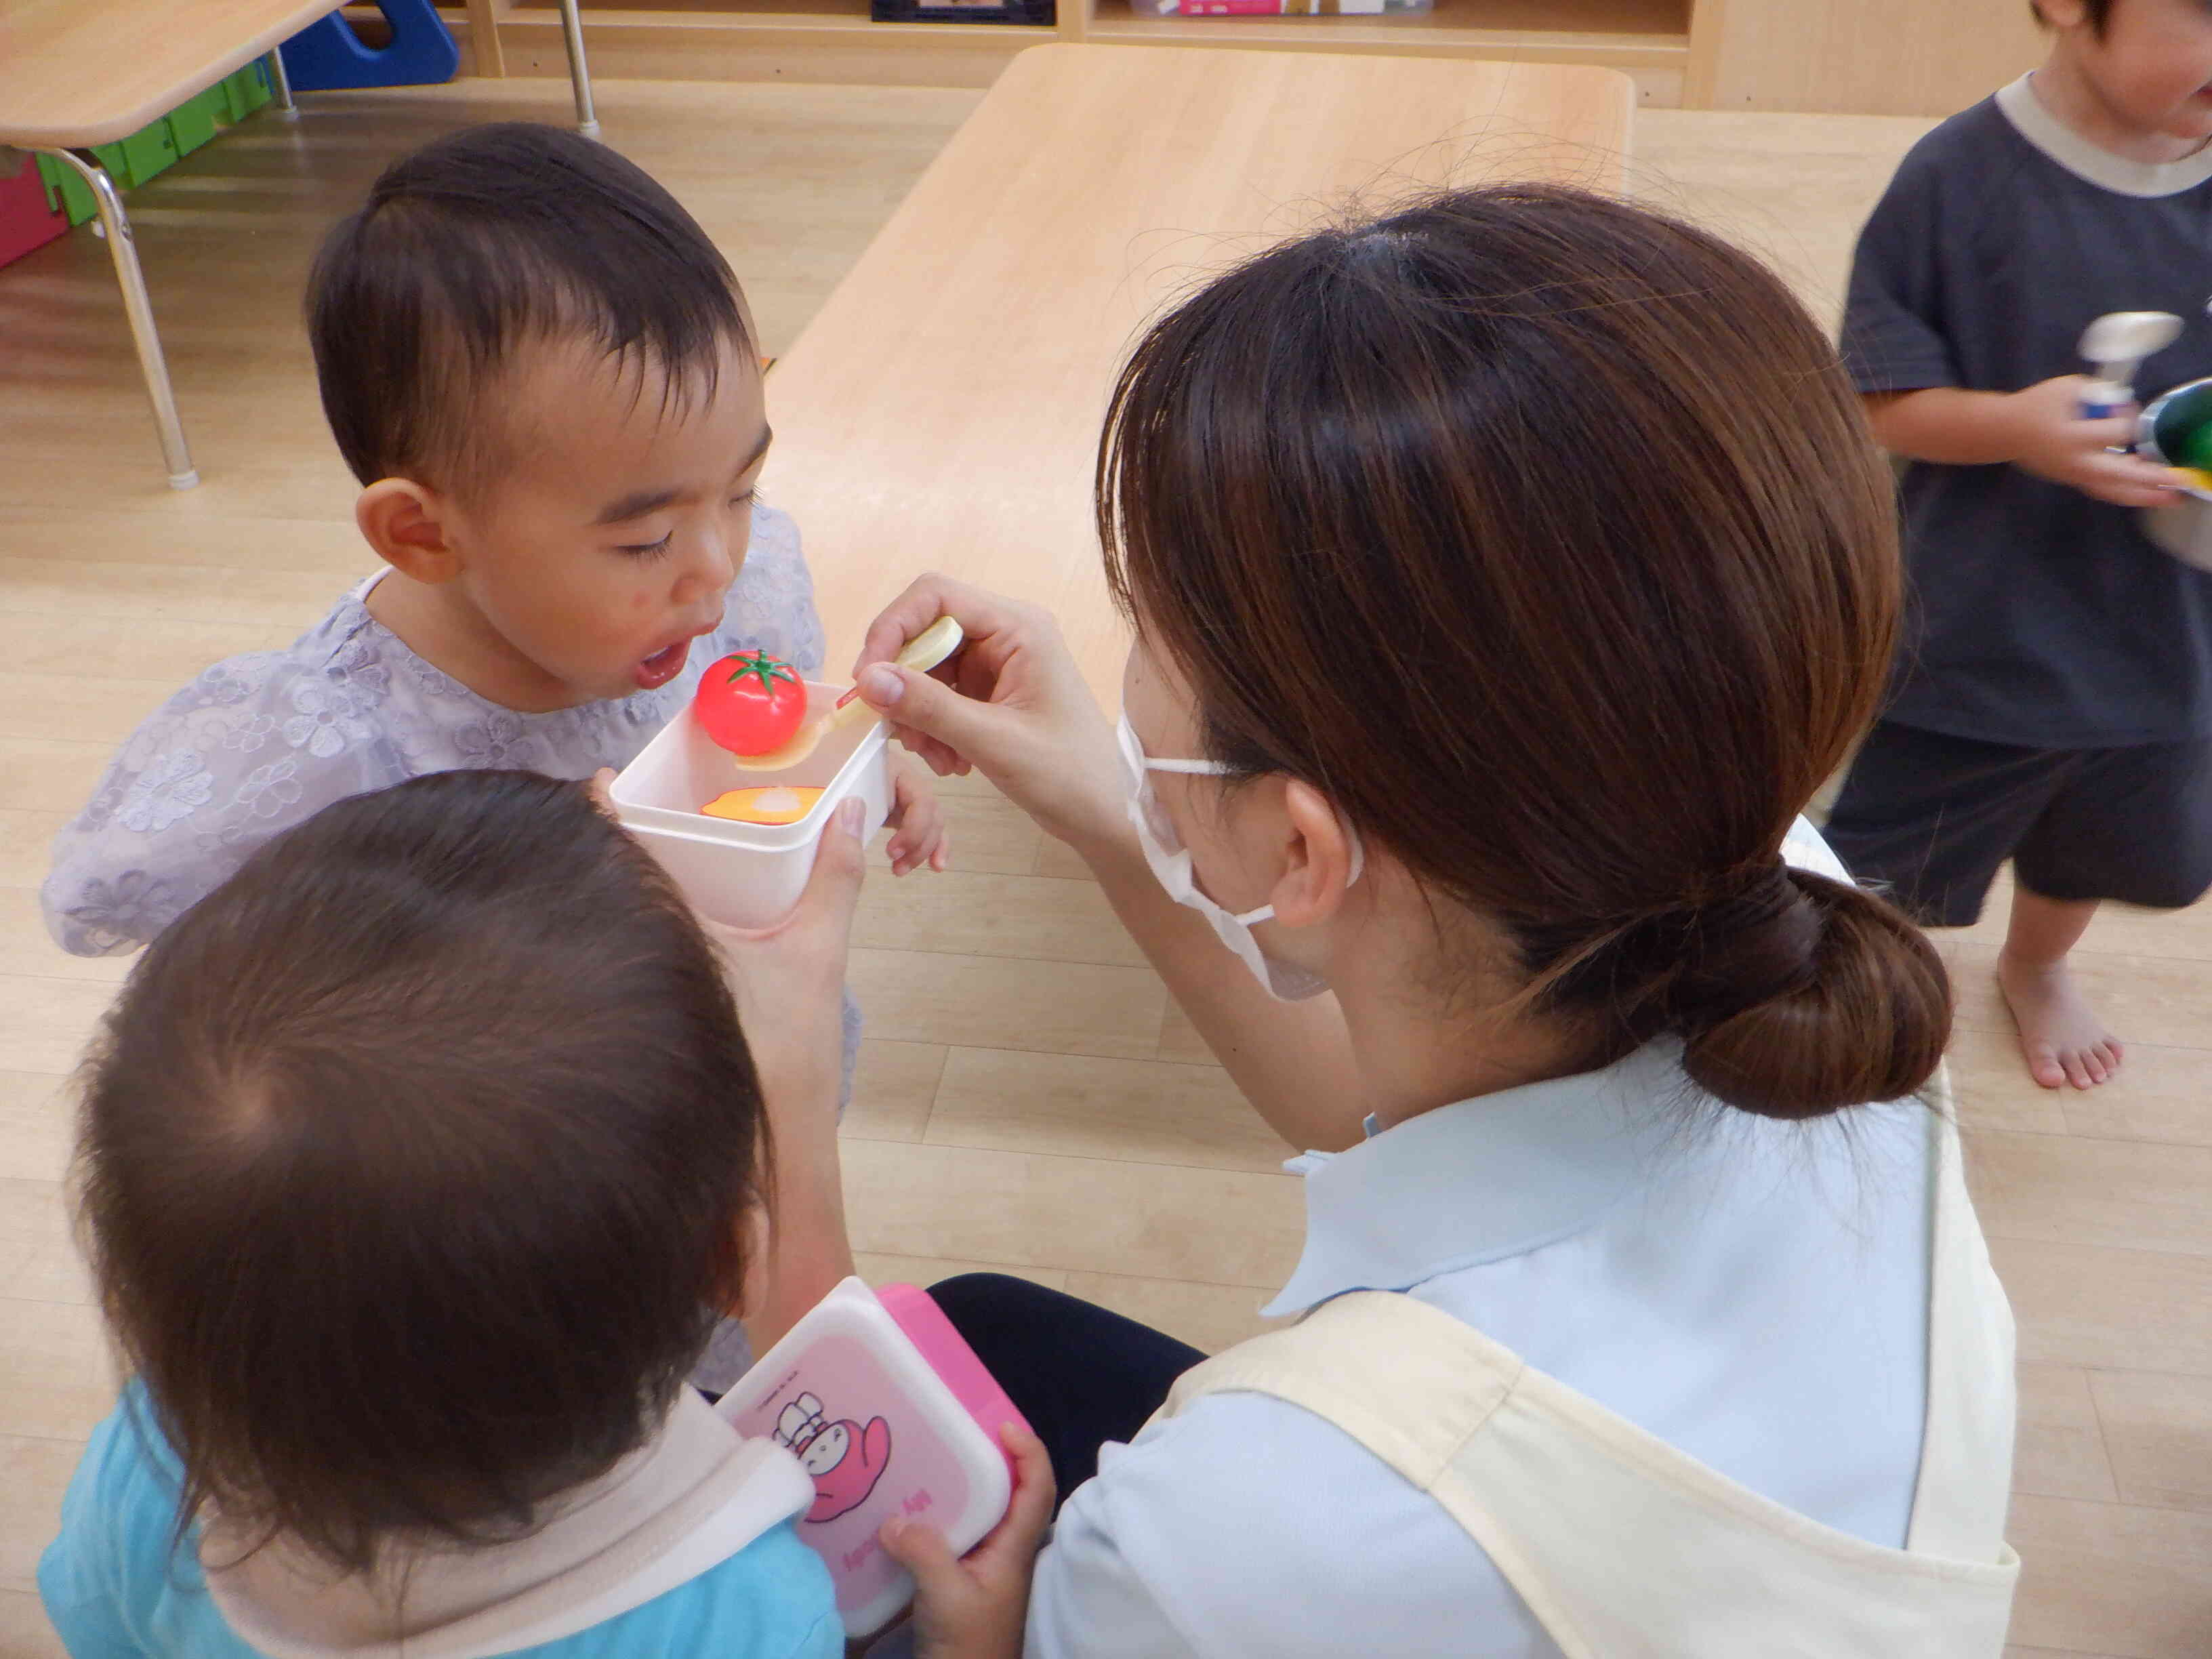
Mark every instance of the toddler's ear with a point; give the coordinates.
(406, 524)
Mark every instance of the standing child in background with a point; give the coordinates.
(541, 371)
(2053, 701)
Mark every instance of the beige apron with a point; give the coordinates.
(1625, 1548)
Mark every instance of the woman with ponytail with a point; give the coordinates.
(1506, 575)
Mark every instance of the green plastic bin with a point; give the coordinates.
(193, 122)
(148, 152)
(67, 190)
(155, 148)
(248, 90)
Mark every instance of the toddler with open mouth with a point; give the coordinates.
(544, 376)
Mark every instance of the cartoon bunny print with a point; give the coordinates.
(844, 1459)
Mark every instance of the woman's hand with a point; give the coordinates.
(973, 1607)
(1010, 703)
(788, 980)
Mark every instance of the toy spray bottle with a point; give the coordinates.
(2115, 346)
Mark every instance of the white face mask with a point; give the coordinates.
(1170, 865)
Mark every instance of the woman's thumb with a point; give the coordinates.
(839, 862)
(923, 1550)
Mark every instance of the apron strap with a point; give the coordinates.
(1623, 1544)
(1972, 1393)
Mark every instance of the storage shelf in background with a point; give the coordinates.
(833, 40)
(805, 40)
(1618, 33)
(1861, 57)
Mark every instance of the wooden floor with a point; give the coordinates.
(1028, 1097)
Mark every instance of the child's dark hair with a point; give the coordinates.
(478, 242)
(413, 1161)
(2100, 12)
(1546, 536)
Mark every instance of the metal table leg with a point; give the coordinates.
(572, 32)
(282, 83)
(140, 310)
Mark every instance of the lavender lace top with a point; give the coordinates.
(261, 742)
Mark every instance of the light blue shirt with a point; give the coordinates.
(116, 1589)
(1754, 1292)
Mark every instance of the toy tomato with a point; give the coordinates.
(750, 704)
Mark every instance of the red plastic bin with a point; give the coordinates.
(26, 220)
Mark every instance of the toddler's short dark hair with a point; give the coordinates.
(2100, 12)
(412, 1163)
(476, 242)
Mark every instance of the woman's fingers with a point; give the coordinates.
(921, 703)
(840, 864)
(826, 904)
(980, 612)
(786, 975)
(1011, 704)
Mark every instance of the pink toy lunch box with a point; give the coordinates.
(889, 1412)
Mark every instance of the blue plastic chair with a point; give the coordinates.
(327, 54)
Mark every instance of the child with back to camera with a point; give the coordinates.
(409, 1162)
(2054, 704)
(543, 373)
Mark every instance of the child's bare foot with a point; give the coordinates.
(2061, 1037)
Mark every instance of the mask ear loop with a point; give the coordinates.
(1204, 768)
(1220, 771)
(1207, 769)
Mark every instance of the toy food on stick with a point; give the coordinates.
(777, 804)
(923, 652)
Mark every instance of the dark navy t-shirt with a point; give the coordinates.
(2039, 617)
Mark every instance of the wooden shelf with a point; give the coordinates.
(617, 13)
(810, 40)
(830, 41)
(1617, 33)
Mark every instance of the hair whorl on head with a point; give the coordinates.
(1546, 536)
(413, 1159)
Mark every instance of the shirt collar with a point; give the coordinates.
(2031, 119)
(1484, 1179)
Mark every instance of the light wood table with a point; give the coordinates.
(942, 409)
(77, 73)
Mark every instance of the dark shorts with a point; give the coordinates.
(1933, 817)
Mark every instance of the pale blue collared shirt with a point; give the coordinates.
(1754, 1292)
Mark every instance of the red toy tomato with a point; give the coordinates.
(750, 704)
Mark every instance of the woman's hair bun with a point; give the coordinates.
(1809, 996)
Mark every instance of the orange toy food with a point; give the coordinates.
(778, 804)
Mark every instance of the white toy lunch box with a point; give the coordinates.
(747, 875)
